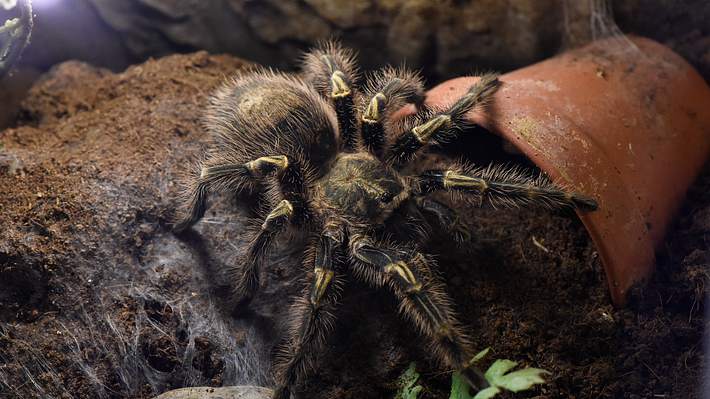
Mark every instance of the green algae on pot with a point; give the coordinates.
(625, 122)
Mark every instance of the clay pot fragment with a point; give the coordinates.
(626, 121)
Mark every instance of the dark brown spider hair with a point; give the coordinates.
(330, 161)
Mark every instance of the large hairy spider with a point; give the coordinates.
(329, 160)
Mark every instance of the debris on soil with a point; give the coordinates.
(99, 299)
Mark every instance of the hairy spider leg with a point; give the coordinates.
(294, 208)
(422, 300)
(233, 177)
(443, 125)
(246, 274)
(387, 91)
(312, 316)
(212, 179)
(502, 187)
(446, 218)
(333, 72)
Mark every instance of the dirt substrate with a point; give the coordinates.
(99, 299)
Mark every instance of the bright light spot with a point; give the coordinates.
(37, 4)
(8, 4)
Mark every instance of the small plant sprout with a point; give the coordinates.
(497, 377)
(408, 388)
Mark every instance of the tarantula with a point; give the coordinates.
(330, 162)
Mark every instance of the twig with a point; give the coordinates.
(539, 245)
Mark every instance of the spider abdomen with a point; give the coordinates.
(362, 186)
(271, 113)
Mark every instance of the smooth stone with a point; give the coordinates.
(235, 392)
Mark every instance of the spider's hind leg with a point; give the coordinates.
(422, 300)
(332, 70)
(312, 315)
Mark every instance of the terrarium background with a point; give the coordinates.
(443, 38)
(91, 278)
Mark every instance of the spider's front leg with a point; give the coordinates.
(312, 316)
(501, 186)
(333, 72)
(422, 300)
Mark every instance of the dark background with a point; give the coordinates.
(442, 38)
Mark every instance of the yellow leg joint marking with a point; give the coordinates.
(424, 131)
(323, 279)
(257, 166)
(284, 208)
(339, 85)
(403, 271)
(455, 180)
(372, 113)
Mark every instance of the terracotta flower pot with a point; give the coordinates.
(627, 122)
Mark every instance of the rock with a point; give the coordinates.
(445, 38)
(422, 33)
(236, 392)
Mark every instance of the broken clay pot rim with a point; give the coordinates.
(626, 125)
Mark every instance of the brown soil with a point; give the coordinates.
(99, 299)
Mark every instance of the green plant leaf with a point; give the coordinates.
(498, 368)
(480, 355)
(407, 383)
(516, 381)
(522, 380)
(459, 388)
(487, 393)
(499, 378)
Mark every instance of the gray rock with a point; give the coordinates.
(236, 392)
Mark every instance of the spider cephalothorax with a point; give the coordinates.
(330, 161)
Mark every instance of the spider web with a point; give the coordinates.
(586, 21)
